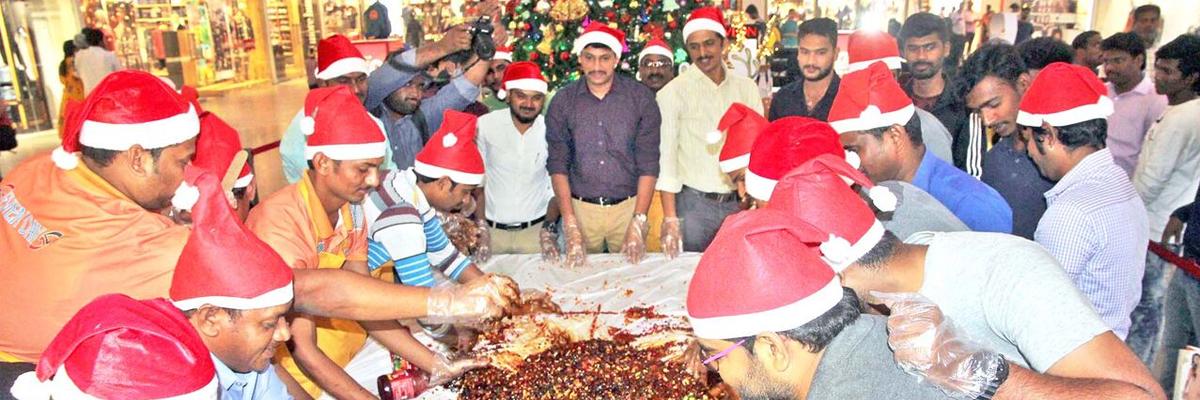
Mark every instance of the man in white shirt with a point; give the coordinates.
(517, 197)
(1168, 168)
(1135, 105)
(94, 62)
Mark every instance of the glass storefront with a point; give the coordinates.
(22, 90)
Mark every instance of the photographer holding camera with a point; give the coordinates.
(395, 89)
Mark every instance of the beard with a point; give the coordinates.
(823, 72)
(521, 118)
(760, 386)
(926, 73)
(400, 106)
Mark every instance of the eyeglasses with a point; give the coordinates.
(655, 64)
(711, 361)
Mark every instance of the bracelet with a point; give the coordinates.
(998, 379)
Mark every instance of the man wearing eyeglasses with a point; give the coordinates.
(798, 334)
(339, 63)
(656, 64)
(696, 195)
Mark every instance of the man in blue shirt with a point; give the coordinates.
(878, 121)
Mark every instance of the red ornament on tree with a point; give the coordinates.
(672, 25)
(625, 19)
(534, 56)
(564, 56)
(610, 15)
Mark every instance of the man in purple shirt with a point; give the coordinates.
(602, 137)
(1135, 104)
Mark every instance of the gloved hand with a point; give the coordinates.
(634, 247)
(672, 237)
(445, 370)
(483, 251)
(548, 237)
(471, 303)
(576, 245)
(927, 345)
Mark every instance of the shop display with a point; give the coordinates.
(279, 24)
(22, 97)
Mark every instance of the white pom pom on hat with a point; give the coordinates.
(185, 197)
(308, 125)
(449, 140)
(713, 137)
(63, 159)
(836, 249)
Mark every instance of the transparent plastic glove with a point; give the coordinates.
(445, 370)
(548, 238)
(576, 245)
(472, 303)
(927, 345)
(483, 251)
(634, 247)
(672, 237)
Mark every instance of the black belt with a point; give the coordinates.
(717, 197)
(517, 226)
(601, 201)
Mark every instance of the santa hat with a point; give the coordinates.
(1064, 94)
(336, 56)
(656, 46)
(217, 151)
(192, 96)
(783, 146)
(338, 126)
(760, 274)
(817, 193)
(602, 34)
(503, 52)
(865, 47)
(451, 151)
(223, 263)
(870, 99)
(743, 125)
(127, 108)
(119, 348)
(704, 19)
(522, 75)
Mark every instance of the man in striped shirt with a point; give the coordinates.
(1095, 223)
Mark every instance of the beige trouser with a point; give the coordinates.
(524, 241)
(604, 226)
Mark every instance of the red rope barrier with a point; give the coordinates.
(1184, 264)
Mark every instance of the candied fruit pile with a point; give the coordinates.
(590, 369)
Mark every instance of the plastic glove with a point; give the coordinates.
(445, 370)
(471, 303)
(634, 248)
(672, 237)
(576, 245)
(483, 251)
(548, 237)
(927, 345)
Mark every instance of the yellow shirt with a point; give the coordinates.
(293, 222)
(691, 106)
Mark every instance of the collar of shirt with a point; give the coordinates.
(89, 179)
(230, 380)
(322, 226)
(697, 76)
(925, 171)
(413, 194)
(1086, 167)
(618, 88)
(1143, 88)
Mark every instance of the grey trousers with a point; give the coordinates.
(1181, 323)
(701, 217)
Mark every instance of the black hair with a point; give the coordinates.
(883, 252)
(427, 180)
(93, 36)
(816, 334)
(1081, 40)
(1014, 7)
(1145, 8)
(1127, 42)
(601, 46)
(233, 313)
(1092, 132)
(923, 24)
(912, 128)
(1040, 52)
(819, 26)
(1000, 60)
(314, 166)
(103, 157)
(752, 11)
(69, 48)
(1185, 49)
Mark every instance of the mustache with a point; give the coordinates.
(655, 75)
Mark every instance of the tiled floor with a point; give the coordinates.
(260, 113)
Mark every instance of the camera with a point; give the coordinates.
(481, 38)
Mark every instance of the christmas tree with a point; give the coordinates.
(544, 31)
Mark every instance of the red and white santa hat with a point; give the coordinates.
(866, 46)
(451, 151)
(205, 274)
(870, 99)
(522, 75)
(817, 193)
(217, 149)
(602, 34)
(127, 108)
(742, 125)
(769, 259)
(119, 348)
(1064, 94)
(336, 56)
(705, 19)
(784, 145)
(503, 52)
(338, 126)
(657, 46)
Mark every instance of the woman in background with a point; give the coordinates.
(72, 85)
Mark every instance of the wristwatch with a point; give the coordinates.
(639, 217)
(998, 379)
(552, 226)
